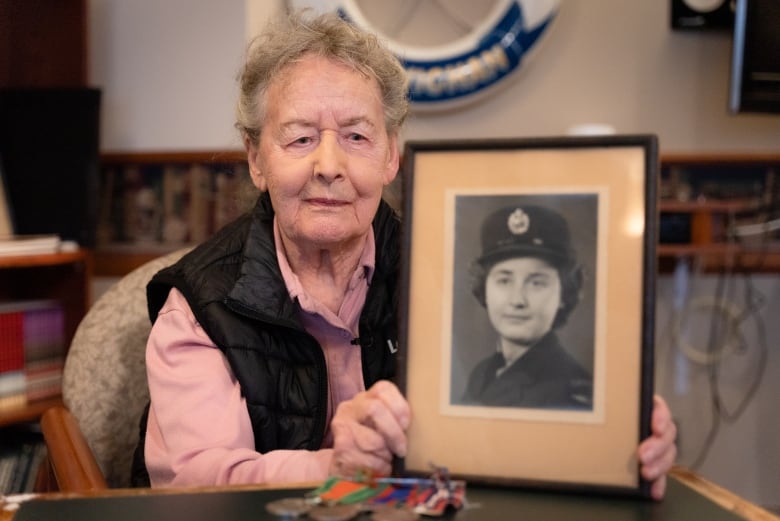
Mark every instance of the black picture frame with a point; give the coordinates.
(605, 189)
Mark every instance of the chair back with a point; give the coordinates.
(104, 380)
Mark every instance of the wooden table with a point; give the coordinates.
(728, 501)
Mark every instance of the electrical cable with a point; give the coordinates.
(729, 314)
(715, 419)
(754, 301)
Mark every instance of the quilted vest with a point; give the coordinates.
(236, 291)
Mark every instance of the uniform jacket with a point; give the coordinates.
(236, 291)
(546, 376)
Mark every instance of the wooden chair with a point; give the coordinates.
(90, 441)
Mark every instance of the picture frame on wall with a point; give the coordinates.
(527, 315)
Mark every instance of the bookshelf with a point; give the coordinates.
(714, 209)
(702, 193)
(64, 277)
(43, 45)
(155, 203)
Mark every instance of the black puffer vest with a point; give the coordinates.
(234, 286)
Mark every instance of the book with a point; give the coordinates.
(13, 390)
(32, 351)
(201, 201)
(175, 193)
(29, 244)
(21, 468)
(229, 195)
(21, 454)
(38, 458)
(7, 465)
(44, 350)
(11, 339)
(43, 333)
(43, 380)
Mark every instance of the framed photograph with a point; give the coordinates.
(527, 314)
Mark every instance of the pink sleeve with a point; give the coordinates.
(199, 433)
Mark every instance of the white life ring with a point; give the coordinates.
(444, 75)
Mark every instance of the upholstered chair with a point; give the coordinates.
(91, 439)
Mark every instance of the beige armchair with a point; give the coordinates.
(91, 440)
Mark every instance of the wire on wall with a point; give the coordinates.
(727, 321)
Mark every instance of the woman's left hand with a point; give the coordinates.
(657, 453)
(368, 430)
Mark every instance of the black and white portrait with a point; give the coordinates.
(523, 307)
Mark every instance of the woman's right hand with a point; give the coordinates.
(368, 430)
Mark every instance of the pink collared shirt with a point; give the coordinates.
(199, 432)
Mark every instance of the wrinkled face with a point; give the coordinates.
(522, 296)
(324, 154)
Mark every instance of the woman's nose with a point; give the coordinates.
(517, 296)
(330, 158)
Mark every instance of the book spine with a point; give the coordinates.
(22, 468)
(38, 459)
(44, 351)
(229, 195)
(7, 464)
(32, 351)
(11, 341)
(175, 193)
(201, 203)
(12, 382)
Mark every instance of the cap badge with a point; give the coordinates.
(518, 222)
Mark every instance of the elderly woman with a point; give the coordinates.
(268, 358)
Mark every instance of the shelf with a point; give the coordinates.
(155, 203)
(28, 413)
(719, 255)
(48, 259)
(720, 159)
(720, 249)
(65, 277)
(707, 206)
(723, 192)
(119, 264)
(708, 209)
(168, 157)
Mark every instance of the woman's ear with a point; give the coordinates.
(255, 170)
(393, 160)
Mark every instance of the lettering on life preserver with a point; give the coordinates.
(445, 75)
